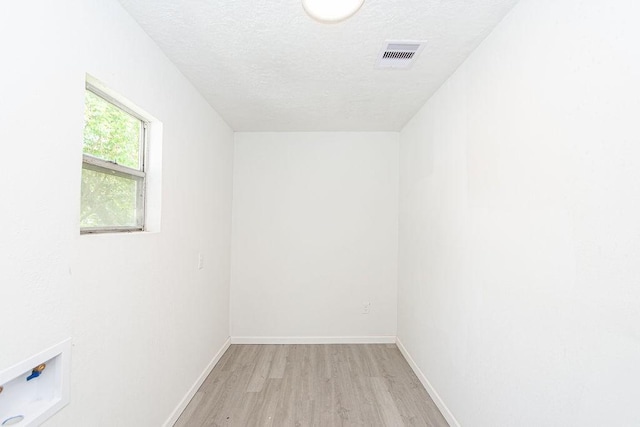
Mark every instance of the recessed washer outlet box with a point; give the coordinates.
(399, 54)
(36, 388)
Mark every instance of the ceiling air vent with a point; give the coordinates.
(399, 54)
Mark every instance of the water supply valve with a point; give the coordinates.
(35, 373)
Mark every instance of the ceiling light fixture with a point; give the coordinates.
(330, 11)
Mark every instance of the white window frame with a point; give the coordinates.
(103, 166)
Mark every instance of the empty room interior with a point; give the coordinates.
(320, 213)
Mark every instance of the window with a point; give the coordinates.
(113, 166)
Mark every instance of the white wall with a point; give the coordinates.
(145, 322)
(314, 235)
(519, 281)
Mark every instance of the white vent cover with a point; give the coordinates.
(399, 54)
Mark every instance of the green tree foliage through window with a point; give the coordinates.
(111, 199)
(110, 133)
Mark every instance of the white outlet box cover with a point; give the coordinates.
(38, 399)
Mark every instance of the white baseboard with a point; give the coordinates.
(194, 388)
(446, 413)
(314, 340)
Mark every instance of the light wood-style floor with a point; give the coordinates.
(312, 385)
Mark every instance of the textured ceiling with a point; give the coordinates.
(264, 65)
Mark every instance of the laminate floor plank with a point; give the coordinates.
(212, 397)
(387, 407)
(279, 361)
(369, 411)
(372, 362)
(321, 361)
(262, 367)
(286, 406)
(267, 400)
(348, 405)
(311, 385)
(225, 414)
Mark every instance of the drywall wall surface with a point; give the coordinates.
(37, 213)
(519, 284)
(145, 321)
(314, 234)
